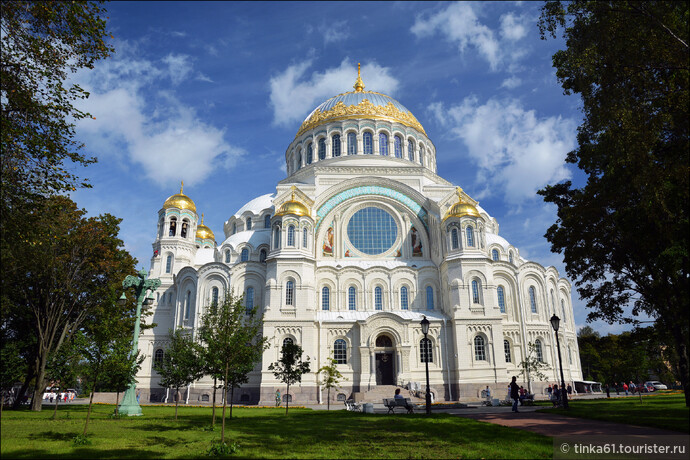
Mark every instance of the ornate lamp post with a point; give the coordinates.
(143, 290)
(425, 331)
(555, 322)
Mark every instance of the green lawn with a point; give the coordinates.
(662, 410)
(263, 433)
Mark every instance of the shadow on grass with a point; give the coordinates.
(84, 452)
(54, 435)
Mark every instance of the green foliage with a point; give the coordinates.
(81, 440)
(290, 368)
(531, 367)
(221, 449)
(181, 364)
(330, 378)
(624, 235)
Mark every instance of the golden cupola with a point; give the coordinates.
(203, 232)
(180, 201)
(293, 207)
(462, 208)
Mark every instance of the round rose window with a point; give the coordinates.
(372, 231)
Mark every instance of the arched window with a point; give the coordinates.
(378, 298)
(367, 139)
(158, 357)
(244, 255)
(214, 296)
(421, 155)
(335, 140)
(249, 299)
(248, 225)
(429, 298)
(340, 351)
(404, 302)
(426, 354)
(397, 145)
(351, 144)
(475, 292)
(267, 221)
(383, 144)
(454, 240)
(494, 255)
(532, 299)
(290, 293)
(410, 150)
(173, 226)
(570, 356)
(352, 298)
(510, 257)
(187, 304)
(227, 256)
(234, 228)
(288, 341)
(299, 160)
(470, 236)
(563, 309)
(383, 341)
(185, 226)
(506, 350)
(305, 238)
(168, 263)
(276, 238)
(291, 235)
(310, 154)
(325, 298)
(322, 149)
(479, 349)
(553, 302)
(538, 351)
(501, 299)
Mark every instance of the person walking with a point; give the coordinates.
(515, 393)
(608, 391)
(625, 388)
(570, 392)
(616, 385)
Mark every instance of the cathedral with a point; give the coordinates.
(360, 242)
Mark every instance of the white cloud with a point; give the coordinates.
(511, 83)
(294, 94)
(516, 152)
(334, 31)
(460, 25)
(139, 122)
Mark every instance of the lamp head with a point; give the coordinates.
(555, 322)
(122, 300)
(425, 326)
(149, 299)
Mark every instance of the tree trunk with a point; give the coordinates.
(57, 400)
(88, 413)
(40, 372)
(232, 398)
(117, 403)
(287, 399)
(213, 411)
(225, 401)
(177, 400)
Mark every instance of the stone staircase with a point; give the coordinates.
(379, 392)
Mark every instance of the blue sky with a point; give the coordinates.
(212, 93)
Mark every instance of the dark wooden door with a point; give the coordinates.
(384, 369)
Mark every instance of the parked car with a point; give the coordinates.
(657, 385)
(643, 388)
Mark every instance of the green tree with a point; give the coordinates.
(532, 367)
(330, 378)
(63, 369)
(234, 344)
(290, 368)
(121, 367)
(624, 234)
(181, 364)
(12, 367)
(63, 275)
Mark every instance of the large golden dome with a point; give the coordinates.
(462, 208)
(180, 201)
(293, 207)
(203, 232)
(360, 104)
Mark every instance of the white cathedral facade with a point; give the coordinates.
(358, 243)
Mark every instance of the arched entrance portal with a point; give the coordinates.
(385, 360)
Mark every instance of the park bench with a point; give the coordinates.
(353, 406)
(392, 403)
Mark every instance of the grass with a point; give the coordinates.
(665, 410)
(263, 433)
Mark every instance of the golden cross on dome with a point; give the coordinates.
(181, 186)
(359, 84)
(202, 218)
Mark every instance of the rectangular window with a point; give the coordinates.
(403, 298)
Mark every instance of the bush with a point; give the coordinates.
(221, 449)
(80, 440)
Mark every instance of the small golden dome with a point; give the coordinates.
(293, 207)
(180, 201)
(203, 232)
(462, 208)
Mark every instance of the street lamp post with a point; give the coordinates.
(142, 287)
(425, 331)
(555, 322)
